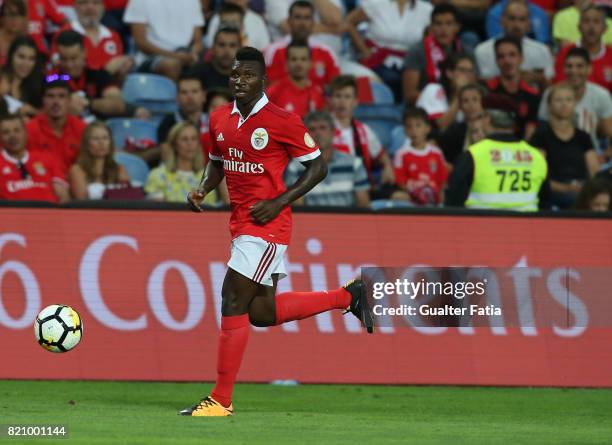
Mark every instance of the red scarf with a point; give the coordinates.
(360, 144)
(434, 55)
(388, 57)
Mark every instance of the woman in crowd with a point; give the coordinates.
(96, 171)
(569, 151)
(25, 74)
(13, 23)
(183, 168)
(595, 196)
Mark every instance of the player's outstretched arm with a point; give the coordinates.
(265, 211)
(213, 175)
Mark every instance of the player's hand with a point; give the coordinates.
(265, 211)
(195, 199)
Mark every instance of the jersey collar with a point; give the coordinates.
(258, 106)
(15, 161)
(105, 33)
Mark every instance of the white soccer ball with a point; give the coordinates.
(58, 328)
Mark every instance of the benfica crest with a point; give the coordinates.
(259, 138)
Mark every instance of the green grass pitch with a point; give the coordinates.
(145, 413)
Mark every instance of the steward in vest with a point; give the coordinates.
(500, 172)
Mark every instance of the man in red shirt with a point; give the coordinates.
(54, 131)
(252, 141)
(301, 24)
(295, 92)
(39, 11)
(103, 46)
(26, 175)
(592, 27)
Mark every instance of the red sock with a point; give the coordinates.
(232, 343)
(297, 305)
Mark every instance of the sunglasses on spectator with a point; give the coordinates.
(56, 77)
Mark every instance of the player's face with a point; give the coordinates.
(89, 12)
(417, 130)
(187, 143)
(12, 136)
(508, 59)
(577, 71)
(24, 60)
(342, 102)
(224, 49)
(56, 102)
(190, 96)
(322, 133)
(71, 60)
(601, 202)
(445, 28)
(301, 22)
(563, 103)
(470, 103)
(515, 20)
(592, 26)
(246, 81)
(298, 63)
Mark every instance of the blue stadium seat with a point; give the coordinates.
(137, 169)
(134, 128)
(378, 111)
(382, 93)
(155, 93)
(382, 128)
(381, 204)
(398, 137)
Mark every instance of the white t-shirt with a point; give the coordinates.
(170, 23)
(433, 100)
(391, 30)
(254, 27)
(536, 56)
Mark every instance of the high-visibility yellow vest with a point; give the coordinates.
(507, 175)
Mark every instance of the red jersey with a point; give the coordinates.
(601, 66)
(30, 179)
(64, 148)
(416, 170)
(97, 56)
(255, 152)
(324, 62)
(39, 11)
(294, 99)
(111, 5)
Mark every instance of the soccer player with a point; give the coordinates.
(252, 141)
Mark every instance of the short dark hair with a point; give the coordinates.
(250, 54)
(446, 8)
(226, 29)
(214, 92)
(579, 52)
(297, 44)
(188, 76)
(590, 189)
(472, 87)
(596, 8)
(4, 117)
(319, 116)
(416, 113)
(301, 4)
(510, 41)
(55, 83)
(228, 8)
(343, 81)
(70, 38)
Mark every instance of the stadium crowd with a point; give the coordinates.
(110, 99)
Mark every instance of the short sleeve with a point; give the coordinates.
(156, 184)
(415, 58)
(400, 171)
(214, 153)
(543, 110)
(584, 140)
(538, 139)
(136, 12)
(605, 105)
(361, 181)
(433, 100)
(297, 141)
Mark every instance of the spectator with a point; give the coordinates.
(537, 21)
(103, 46)
(236, 13)
(595, 196)
(182, 170)
(594, 107)
(26, 175)
(167, 35)
(54, 130)
(40, 12)
(113, 18)
(423, 61)
(346, 183)
(500, 172)
(441, 100)
(569, 151)
(25, 74)
(458, 136)
(355, 137)
(215, 72)
(509, 58)
(301, 26)
(13, 24)
(190, 100)
(95, 170)
(537, 66)
(420, 168)
(296, 93)
(217, 97)
(93, 91)
(592, 27)
(566, 30)
(473, 14)
(8, 104)
(393, 28)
